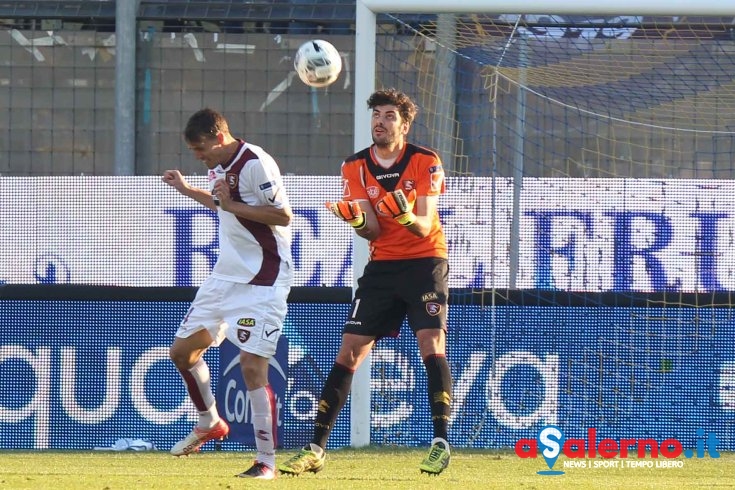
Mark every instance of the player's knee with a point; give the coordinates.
(183, 358)
(254, 369)
(351, 357)
(254, 376)
(180, 360)
(431, 342)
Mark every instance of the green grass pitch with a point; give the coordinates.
(346, 469)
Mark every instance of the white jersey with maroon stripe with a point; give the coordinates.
(252, 252)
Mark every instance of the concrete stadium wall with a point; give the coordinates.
(59, 94)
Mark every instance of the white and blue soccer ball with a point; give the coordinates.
(317, 63)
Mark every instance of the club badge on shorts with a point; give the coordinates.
(433, 309)
(243, 335)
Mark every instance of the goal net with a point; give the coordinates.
(588, 215)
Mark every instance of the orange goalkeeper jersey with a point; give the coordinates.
(417, 168)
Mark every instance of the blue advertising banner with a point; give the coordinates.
(233, 402)
(80, 374)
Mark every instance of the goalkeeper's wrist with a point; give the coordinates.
(406, 219)
(358, 223)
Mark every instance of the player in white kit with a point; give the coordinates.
(244, 298)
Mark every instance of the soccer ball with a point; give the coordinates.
(317, 63)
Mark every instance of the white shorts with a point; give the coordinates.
(251, 317)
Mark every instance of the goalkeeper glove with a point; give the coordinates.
(349, 211)
(398, 206)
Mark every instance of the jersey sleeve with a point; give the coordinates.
(266, 183)
(430, 180)
(353, 181)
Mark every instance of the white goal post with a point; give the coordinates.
(365, 75)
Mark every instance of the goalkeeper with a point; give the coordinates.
(390, 194)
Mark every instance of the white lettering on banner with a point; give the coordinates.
(237, 396)
(402, 382)
(298, 400)
(241, 405)
(148, 411)
(67, 389)
(38, 405)
(466, 379)
(302, 404)
(548, 368)
(575, 234)
(727, 385)
(547, 411)
(241, 413)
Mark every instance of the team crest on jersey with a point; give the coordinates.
(243, 335)
(246, 322)
(409, 185)
(345, 188)
(232, 180)
(373, 192)
(433, 309)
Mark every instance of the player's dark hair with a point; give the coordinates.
(391, 96)
(205, 123)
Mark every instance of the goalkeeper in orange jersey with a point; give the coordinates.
(390, 194)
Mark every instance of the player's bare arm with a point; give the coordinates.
(371, 230)
(268, 215)
(178, 182)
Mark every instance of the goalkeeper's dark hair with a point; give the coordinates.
(205, 123)
(391, 96)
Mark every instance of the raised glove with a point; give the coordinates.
(398, 206)
(349, 211)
